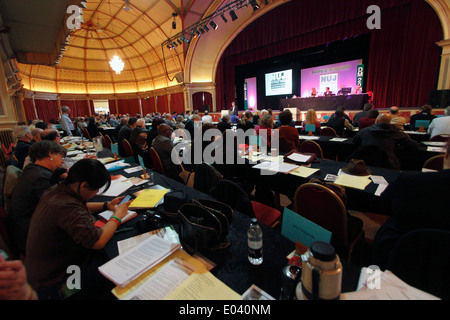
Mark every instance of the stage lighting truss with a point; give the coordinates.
(201, 27)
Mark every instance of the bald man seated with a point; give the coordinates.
(397, 120)
(384, 145)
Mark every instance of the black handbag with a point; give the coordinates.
(204, 225)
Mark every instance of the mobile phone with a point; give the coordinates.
(127, 198)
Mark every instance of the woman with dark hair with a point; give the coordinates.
(288, 135)
(246, 121)
(47, 158)
(62, 232)
(92, 128)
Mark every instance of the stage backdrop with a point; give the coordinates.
(403, 55)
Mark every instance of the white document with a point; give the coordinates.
(379, 180)
(167, 279)
(390, 287)
(282, 167)
(117, 187)
(134, 169)
(108, 214)
(436, 149)
(308, 137)
(338, 139)
(298, 157)
(380, 189)
(124, 268)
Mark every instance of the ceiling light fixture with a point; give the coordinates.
(127, 6)
(116, 64)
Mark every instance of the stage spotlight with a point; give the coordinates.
(179, 41)
(174, 23)
(233, 15)
(254, 4)
(205, 27)
(201, 30)
(213, 25)
(224, 19)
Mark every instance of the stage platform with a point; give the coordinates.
(349, 102)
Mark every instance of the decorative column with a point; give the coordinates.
(444, 71)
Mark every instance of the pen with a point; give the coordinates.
(125, 229)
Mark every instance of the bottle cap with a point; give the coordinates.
(322, 251)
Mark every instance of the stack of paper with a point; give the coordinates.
(274, 167)
(124, 268)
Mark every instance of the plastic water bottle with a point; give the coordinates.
(255, 243)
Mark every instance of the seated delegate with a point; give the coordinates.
(62, 233)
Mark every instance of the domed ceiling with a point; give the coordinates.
(133, 30)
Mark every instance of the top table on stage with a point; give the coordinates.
(349, 102)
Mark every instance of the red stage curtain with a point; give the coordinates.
(148, 105)
(47, 110)
(163, 104)
(201, 98)
(403, 57)
(112, 106)
(78, 108)
(28, 106)
(177, 102)
(130, 106)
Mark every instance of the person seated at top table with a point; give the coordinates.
(313, 92)
(327, 92)
(357, 90)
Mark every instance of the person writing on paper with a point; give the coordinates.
(62, 233)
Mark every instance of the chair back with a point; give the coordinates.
(156, 160)
(430, 272)
(107, 141)
(127, 149)
(322, 206)
(434, 163)
(85, 133)
(309, 146)
(328, 131)
(440, 137)
(232, 194)
(286, 145)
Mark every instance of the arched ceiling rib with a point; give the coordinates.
(135, 36)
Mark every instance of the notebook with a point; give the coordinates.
(148, 198)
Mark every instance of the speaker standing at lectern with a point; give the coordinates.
(233, 107)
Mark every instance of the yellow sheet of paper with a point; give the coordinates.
(203, 286)
(303, 172)
(353, 181)
(148, 198)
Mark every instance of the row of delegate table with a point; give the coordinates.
(231, 265)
